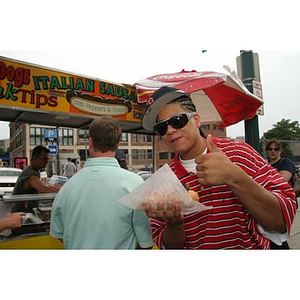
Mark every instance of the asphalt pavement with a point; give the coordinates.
(294, 240)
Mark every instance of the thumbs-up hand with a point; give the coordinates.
(214, 167)
(210, 144)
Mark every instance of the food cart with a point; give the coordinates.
(40, 95)
(34, 232)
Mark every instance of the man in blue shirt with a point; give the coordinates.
(86, 213)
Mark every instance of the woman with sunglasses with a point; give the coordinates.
(285, 168)
(249, 199)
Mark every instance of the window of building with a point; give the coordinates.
(142, 138)
(163, 155)
(83, 135)
(135, 154)
(36, 136)
(149, 138)
(66, 137)
(205, 127)
(134, 137)
(149, 153)
(124, 137)
(84, 154)
(215, 127)
(143, 153)
(19, 140)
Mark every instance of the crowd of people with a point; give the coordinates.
(252, 201)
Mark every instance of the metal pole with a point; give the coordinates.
(153, 154)
(248, 75)
(58, 163)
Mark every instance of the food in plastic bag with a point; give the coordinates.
(30, 218)
(193, 195)
(163, 185)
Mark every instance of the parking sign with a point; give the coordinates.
(50, 134)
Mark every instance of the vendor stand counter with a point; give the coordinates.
(34, 233)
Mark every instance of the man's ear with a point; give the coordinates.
(91, 144)
(197, 120)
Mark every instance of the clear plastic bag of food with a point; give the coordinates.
(30, 218)
(162, 185)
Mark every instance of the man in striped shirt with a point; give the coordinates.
(251, 203)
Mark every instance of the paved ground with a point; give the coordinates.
(294, 240)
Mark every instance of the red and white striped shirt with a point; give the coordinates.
(228, 225)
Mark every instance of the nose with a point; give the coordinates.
(170, 129)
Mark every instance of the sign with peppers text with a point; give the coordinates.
(38, 88)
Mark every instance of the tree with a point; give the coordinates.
(284, 130)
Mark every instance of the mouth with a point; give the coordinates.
(174, 140)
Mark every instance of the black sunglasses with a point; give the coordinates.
(275, 149)
(177, 122)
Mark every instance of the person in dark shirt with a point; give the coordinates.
(29, 183)
(29, 180)
(285, 168)
(121, 157)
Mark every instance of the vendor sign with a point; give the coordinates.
(31, 87)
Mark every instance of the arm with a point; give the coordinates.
(285, 174)
(11, 221)
(261, 203)
(37, 184)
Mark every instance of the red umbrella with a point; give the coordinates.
(219, 98)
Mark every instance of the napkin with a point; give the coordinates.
(162, 185)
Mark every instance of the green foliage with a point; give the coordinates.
(284, 130)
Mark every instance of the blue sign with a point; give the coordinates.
(53, 149)
(50, 134)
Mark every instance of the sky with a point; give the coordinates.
(124, 43)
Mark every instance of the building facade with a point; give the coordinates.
(143, 152)
(73, 143)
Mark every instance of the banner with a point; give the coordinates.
(35, 88)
